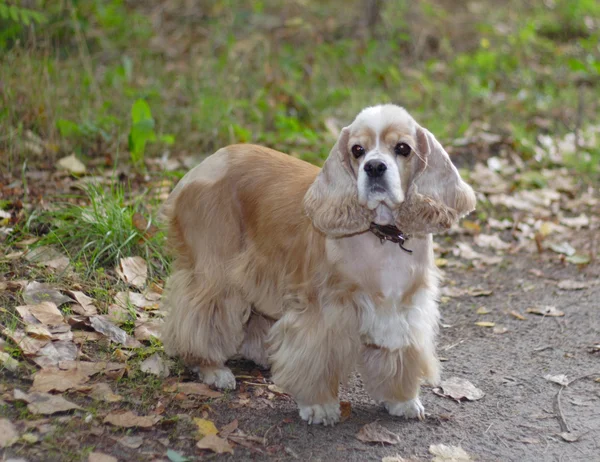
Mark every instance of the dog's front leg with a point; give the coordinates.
(311, 351)
(393, 377)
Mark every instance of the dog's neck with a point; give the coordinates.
(390, 233)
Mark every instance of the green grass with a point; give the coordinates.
(105, 77)
(224, 72)
(99, 229)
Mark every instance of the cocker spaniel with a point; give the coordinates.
(316, 271)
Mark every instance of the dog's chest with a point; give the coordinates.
(391, 282)
(382, 269)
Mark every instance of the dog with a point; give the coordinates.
(314, 272)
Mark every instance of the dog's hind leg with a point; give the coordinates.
(207, 313)
(205, 329)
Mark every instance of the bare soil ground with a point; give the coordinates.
(516, 420)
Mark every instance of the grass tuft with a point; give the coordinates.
(104, 229)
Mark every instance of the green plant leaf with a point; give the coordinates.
(67, 128)
(167, 139)
(140, 112)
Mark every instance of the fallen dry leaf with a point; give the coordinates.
(485, 324)
(28, 345)
(55, 352)
(8, 433)
(581, 221)
(277, 390)
(578, 259)
(570, 437)
(101, 457)
(492, 241)
(453, 292)
(196, 388)
(458, 388)
(128, 420)
(346, 410)
(48, 256)
(215, 444)
(155, 365)
(72, 165)
(119, 315)
(564, 248)
(477, 292)
(37, 292)
(560, 379)
(45, 312)
(545, 310)
(100, 392)
(44, 403)
(85, 305)
(132, 442)
(114, 333)
(8, 362)
(205, 427)
(145, 331)
(375, 433)
(465, 251)
(55, 379)
(91, 368)
(228, 429)
(38, 331)
(568, 284)
(133, 270)
(482, 310)
(148, 301)
(80, 337)
(500, 330)
(517, 315)
(444, 453)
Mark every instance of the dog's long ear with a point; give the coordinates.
(437, 196)
(331, 202)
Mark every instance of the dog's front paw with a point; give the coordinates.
(219, 377)
(410, 409)
(326, 414)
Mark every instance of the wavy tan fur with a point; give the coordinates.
(274, 262)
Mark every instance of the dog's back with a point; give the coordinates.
(223, 260)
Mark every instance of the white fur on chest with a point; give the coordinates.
(390, 272)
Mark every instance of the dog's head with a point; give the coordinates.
(387, 169)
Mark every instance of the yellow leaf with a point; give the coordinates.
(545, 228)
(441, 262)
(485, 324)
(205, 427)
(471, 226)
(482, 310)
(517, 315)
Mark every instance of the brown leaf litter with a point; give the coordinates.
(133, 270)
(44, 403)
(375, 433)
(129, 420)
(459, 389)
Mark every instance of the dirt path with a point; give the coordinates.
(508, 357)
(516, 420)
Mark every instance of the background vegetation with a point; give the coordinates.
(286, 74)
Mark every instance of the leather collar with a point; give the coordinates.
(390, 233)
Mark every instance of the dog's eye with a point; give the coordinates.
(357, 150)
(402, 149)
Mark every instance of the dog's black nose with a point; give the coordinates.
(375, 168)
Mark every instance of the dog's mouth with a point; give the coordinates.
(378, 189)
